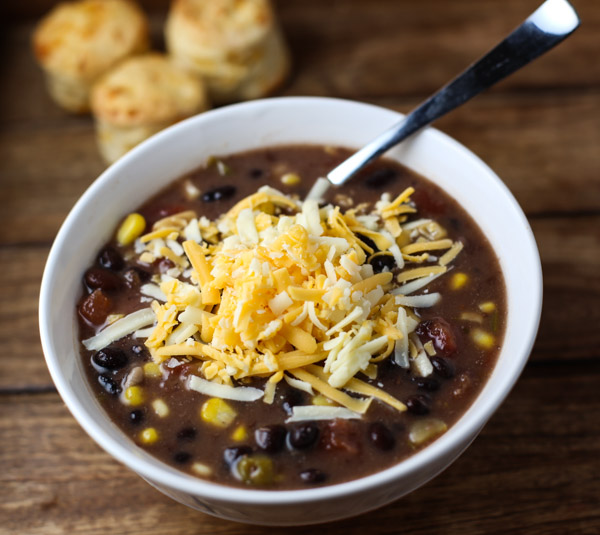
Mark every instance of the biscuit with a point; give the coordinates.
(235, 45)
(78, 41)
(139, 97)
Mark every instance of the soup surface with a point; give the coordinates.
(253, 339)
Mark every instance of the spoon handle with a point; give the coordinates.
(552, 22)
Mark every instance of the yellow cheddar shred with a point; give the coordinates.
(357, 405)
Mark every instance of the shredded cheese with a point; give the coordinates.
(277, 285)
(209, 388)
(120, 328)
(302, 413)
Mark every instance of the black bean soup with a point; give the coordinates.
(252, 443)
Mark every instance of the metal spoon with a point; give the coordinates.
(552, 22)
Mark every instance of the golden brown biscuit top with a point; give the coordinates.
(83, 39)
(146, 90)
(230, 24)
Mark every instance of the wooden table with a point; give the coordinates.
(535, 468)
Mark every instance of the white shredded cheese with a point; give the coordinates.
(153, 290)
(246, 227)
(356, 313)
(120, 328)
(143, 333)
(301, 413)
(280, 302)
(418, 301)
(401, 346)
(415, 224)
(310, 306)
(415, 285)
(319, 189)
(421, 365)
(298, 384)
(310, 211)
(235, 393)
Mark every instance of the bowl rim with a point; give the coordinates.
(479, 411)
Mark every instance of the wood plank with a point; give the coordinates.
(43, 173)
(570, 262)
(21, 360)
(571, 294)
(533, 469)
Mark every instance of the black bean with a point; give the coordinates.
(367, 241)
(382, 261)
(443, 367)
(455, 223)
(100, 278)
(109, 385)
(134, 277)
(256, 173)
(312, 476)
(303, 436)
(417, 405)
(219, 194)
(182, 457)
(381, 437)
(110, 258)
(290, 399)
(380, 178)
(110, 358)
(136, 416)
(270, 438)
(232, 454)
(430, 384)
(187, 434)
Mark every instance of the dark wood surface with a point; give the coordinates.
(535, 468)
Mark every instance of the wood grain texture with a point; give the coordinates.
(507, 482)
(534, 469)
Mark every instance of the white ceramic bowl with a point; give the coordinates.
(185, 146)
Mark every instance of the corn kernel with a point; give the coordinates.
(430, 349)
(218, 412)
(424, 430)
(488, 307)
(483, 339)
(151, 369)
(290, 179)
(111, 318)
(458, 281)
(132, 227)
(240, 434)
(149, 435)
(201, 469)
(320, 399)
(134, 395)
(160, 408)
